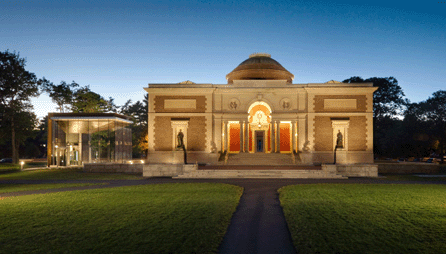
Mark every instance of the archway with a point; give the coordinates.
(259, 127)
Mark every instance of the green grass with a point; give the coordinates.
(393, 177)
(363, 218)
(64, 174)
(6, 188)
(165, 218)
(10, 166)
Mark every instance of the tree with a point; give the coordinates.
(388, 104)
(388, 100)
(87, 101)
(17, 86)
(61, 94)
(139, 113)
(432, 112)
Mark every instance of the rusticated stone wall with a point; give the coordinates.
(357, 134)
(323, 134)
(196, 134)
(163, 133)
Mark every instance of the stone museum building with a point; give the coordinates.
(260, 111)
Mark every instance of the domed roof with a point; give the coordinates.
(260, 66)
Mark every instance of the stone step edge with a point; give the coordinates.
(261, 174)
(270, 177)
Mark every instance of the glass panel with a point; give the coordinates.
(60, 142)
(94, 141)
(128, 132)
(112, 146)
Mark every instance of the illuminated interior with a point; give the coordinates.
(75, 140)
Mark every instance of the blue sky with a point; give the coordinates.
(119, 47)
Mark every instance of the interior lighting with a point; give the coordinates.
(142, 161)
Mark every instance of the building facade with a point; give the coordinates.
(260, 110)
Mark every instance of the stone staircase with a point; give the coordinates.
(259, 171)
(264, 173)
(269, 159)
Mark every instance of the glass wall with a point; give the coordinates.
(90, 140)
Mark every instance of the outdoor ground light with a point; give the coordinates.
(22, 163)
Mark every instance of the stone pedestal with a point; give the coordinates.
(341, 156)
(306, 158)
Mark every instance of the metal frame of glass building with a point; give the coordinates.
(78, 138)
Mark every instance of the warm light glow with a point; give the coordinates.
(22, 162)
(260, 103)
(142, 161)
(131, 162)
(56, 146)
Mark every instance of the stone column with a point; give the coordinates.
(276, 140)
(151, 132)
(223, 136)
(270, 134)
(301, 133)
(278, 137)
(243, 137)
(296, 137)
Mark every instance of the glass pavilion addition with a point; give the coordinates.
(78, 138)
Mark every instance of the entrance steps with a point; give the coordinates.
(221, 173)
(270, 159)
(260, 172)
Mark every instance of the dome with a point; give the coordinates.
(260, 66)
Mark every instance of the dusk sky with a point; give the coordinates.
(119, 47)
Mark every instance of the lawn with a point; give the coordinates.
(64, 174)
(10, 166)
(396, 177)
(165, 218)
(5, 188)
(366, 218)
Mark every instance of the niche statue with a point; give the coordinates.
(180, 137)
(339, 140)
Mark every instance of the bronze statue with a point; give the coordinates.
(339, 140)
(180, 137)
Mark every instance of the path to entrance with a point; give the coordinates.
(257, 226)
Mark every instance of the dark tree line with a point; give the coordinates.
(402, 128)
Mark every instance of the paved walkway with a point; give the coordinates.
(257, 226)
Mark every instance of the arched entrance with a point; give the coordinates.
(259, 128)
